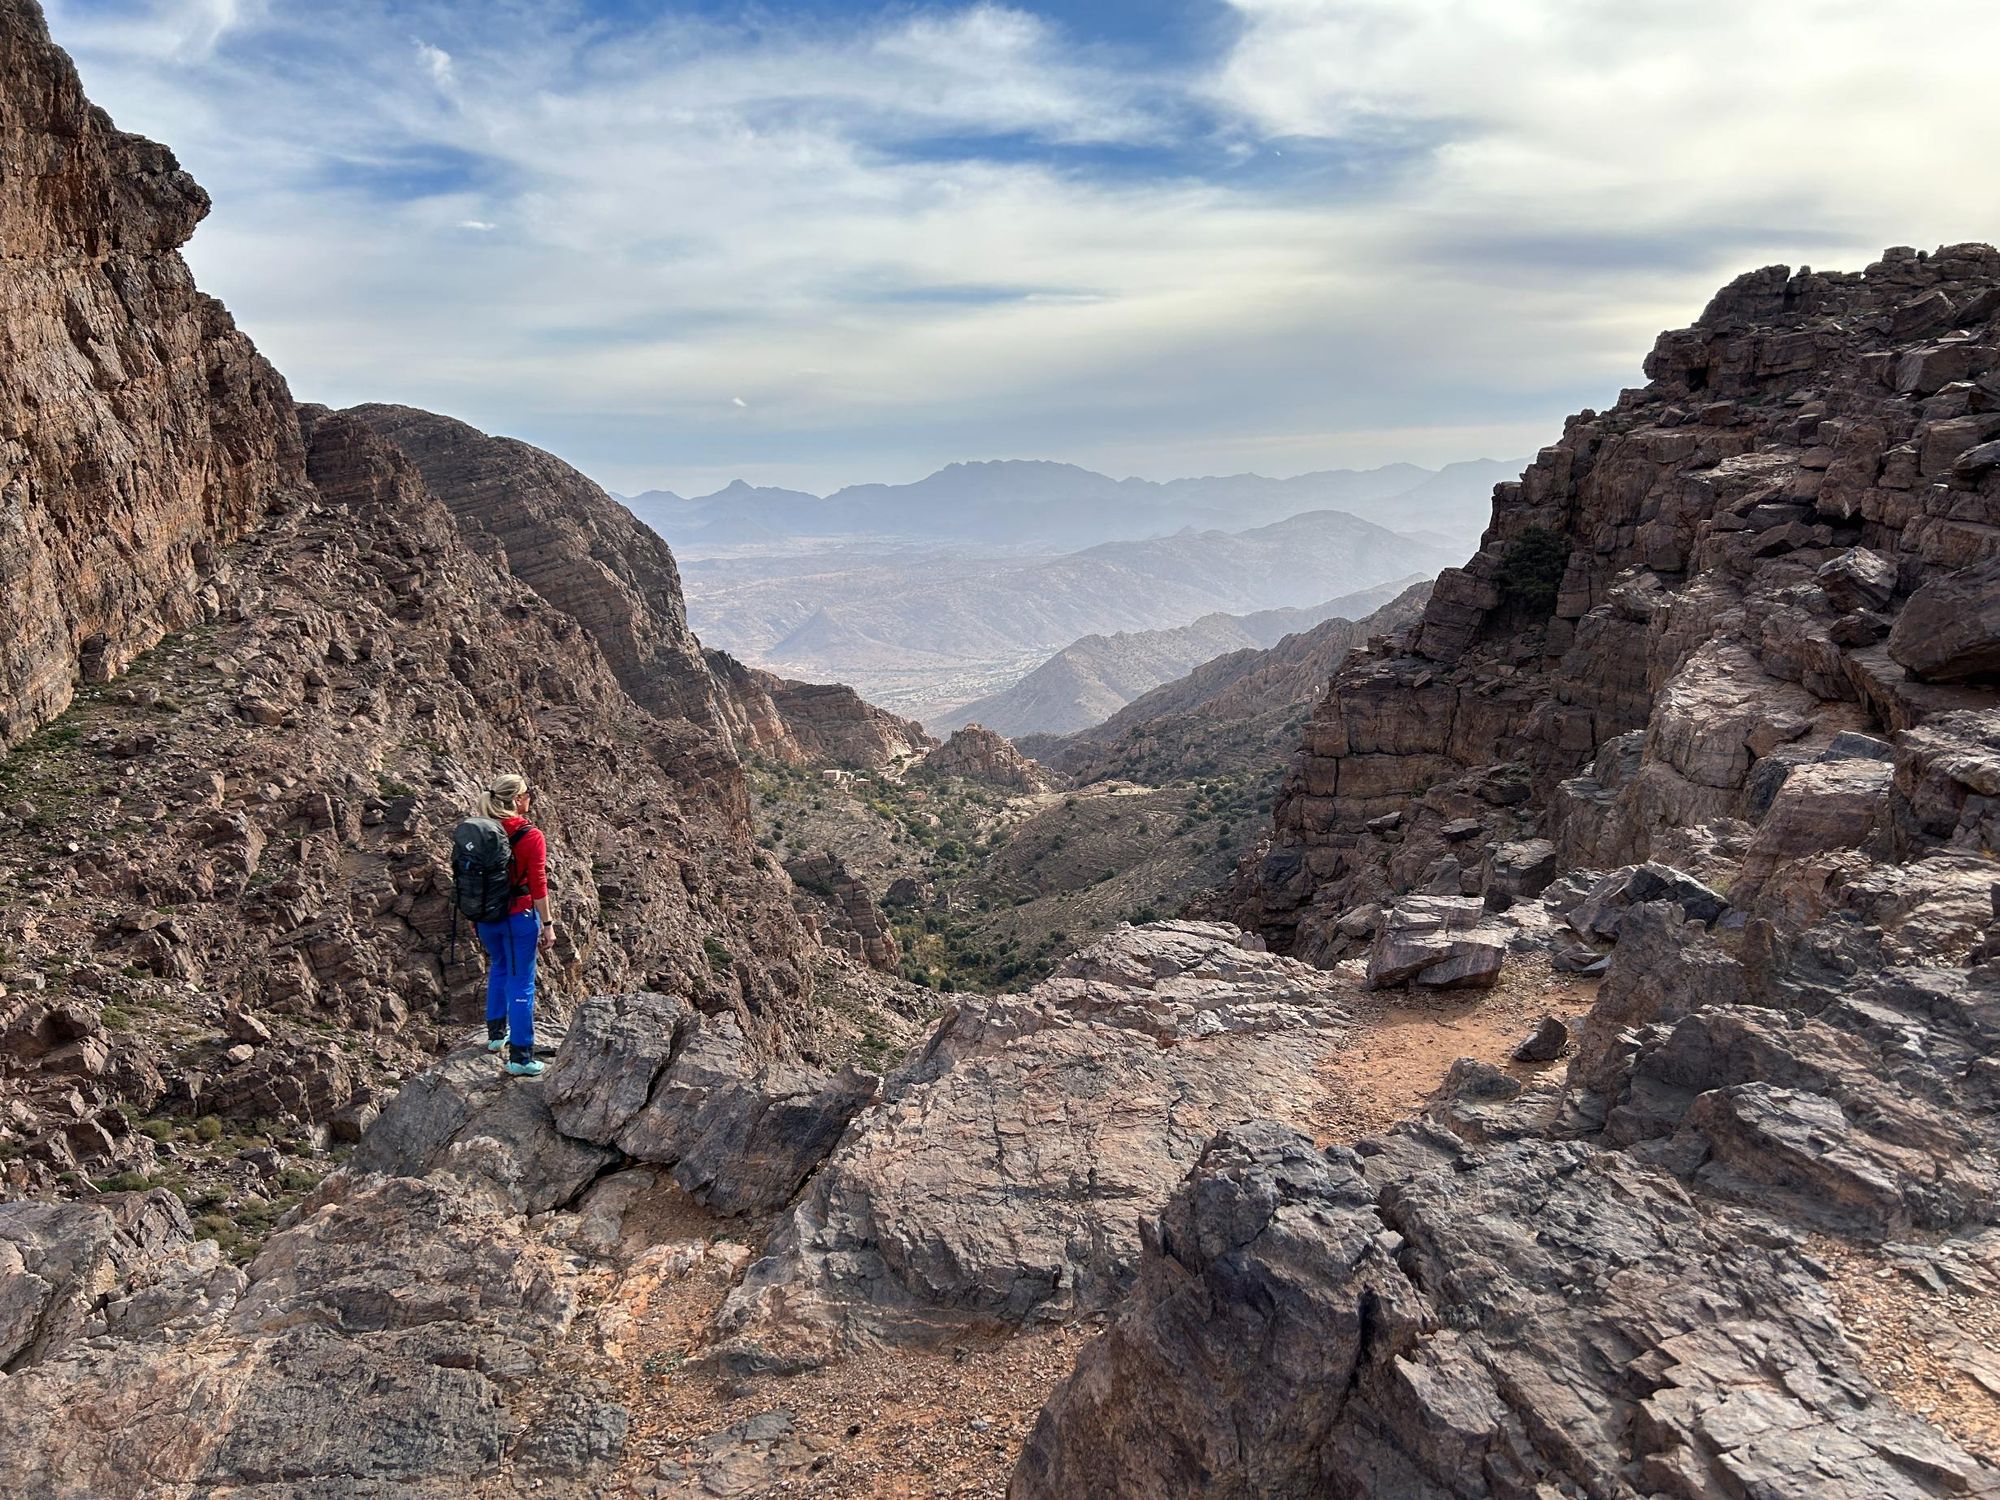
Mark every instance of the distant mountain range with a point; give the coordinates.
(924, 630)
(1091, 679)
(1239, 712)
(1060, 505)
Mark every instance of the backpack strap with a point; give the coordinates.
(513, 843)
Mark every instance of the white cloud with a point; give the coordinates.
(163, 30)
(1373, 229)
(436, 62)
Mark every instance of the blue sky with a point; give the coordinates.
(816, 243)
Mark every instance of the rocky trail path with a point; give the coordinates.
(1405, 1042)
(950, 1420)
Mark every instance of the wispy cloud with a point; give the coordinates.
(1355, 230)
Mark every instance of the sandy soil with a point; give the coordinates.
(1933, 1345)
(1405, 1043)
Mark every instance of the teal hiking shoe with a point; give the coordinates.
(496, 1044)
(522, 1063)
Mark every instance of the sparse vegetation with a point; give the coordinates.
(1531, 571)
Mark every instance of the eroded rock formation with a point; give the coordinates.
(978, 754)
(140, 433)
(1003, 1178)
(1787, 535)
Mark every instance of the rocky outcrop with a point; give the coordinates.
(1429, 1320)
(843, 912)
(424, 1310)
(666, 1084)
(810, 723)
(1003, 1177)
(978, 754)
(140, 433)
(1786, 537)
(546, 524)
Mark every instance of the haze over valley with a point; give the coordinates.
(933, 597)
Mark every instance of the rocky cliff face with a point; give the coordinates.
(591, 558)
(140, 433)
(1686, 597)
(1739, 627)
(810, 723)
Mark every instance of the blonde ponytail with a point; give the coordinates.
(497, 801)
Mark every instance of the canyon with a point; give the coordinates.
(1555, 1058)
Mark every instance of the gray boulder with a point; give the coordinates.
(1602, 911)
(665, 1084)
(1950, 629)
(1441, 942)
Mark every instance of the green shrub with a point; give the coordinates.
(124, 1182)
(208, 1128)
(1531, 571)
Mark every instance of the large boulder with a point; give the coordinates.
(1602, 910)
(1440, 942)
(1950, 629)
(1003, 1179)
(663, 1083)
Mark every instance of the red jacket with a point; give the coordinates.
(530, 871)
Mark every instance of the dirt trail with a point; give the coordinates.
(1405, 1042)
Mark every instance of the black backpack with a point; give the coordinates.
(482, 869)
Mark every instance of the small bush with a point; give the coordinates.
(208, 1128)
(1531, 571)
(124, 1182)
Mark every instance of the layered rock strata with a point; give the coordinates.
(1785, 537)
(140, 433)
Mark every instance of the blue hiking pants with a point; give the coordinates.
(510, 974)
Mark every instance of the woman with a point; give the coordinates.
(511, 944)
